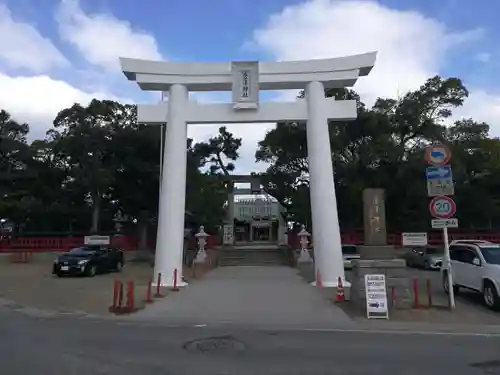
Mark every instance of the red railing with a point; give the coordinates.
(130, 243)
(61, 244)
(433, 238)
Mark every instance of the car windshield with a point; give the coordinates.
(491, 254)
(83, 250)
(349, 250)
(434, 251)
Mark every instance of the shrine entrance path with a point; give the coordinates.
(247, 296)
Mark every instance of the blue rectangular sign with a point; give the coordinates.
(442, 172)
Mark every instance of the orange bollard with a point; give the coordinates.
(415, 294)
(158, 286)
(119, 305)
(429, 292)
(130, 307)
(175, 288)
(148, 293)
(116, 292)
(319, 283)
(340, 291)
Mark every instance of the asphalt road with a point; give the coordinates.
(30, 345)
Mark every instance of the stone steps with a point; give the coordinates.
(252, 257)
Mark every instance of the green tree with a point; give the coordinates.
(83, 139)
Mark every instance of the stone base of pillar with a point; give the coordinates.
(396, 275)
(305, 256)
(330, 291)
(201, 257)
(180, 284)
(377, 252)
(198, 269)
(306, 270)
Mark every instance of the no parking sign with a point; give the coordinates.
(437, 155)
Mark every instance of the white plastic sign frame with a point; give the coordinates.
(376, 297)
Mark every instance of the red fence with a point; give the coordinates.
(61, 244)
(433, 238)
(129, 243)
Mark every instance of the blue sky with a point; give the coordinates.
(56, 52)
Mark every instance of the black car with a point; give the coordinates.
(88, 261)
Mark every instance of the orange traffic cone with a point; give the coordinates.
(319, 283)
(340, 291)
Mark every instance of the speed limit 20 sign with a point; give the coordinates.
(442, 207)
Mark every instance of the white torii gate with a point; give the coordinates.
(245, 79)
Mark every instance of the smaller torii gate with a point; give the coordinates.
(245, 79)
(254, 189)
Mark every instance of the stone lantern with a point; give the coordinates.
(304, 235)
(201, 236)
(119, 219)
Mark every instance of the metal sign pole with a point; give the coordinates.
(440, 185)
(451, 292)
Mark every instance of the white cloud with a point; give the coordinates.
(482, 106)
(22, 46)
(484, 57)
(37, 100)
(251, 135)
(411, 46)
(102, 38)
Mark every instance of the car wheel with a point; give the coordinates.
(426, 265)
(490, 296)
(91, 271)
(119, 267)
(58, 274)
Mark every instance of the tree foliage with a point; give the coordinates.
(384, 148)
(97, 161)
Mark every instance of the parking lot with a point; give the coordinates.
(470, 308)
(33, 285)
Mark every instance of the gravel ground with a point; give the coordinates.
(33, 285)
(469, 306)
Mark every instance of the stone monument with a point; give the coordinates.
(375, 227)
(376, 256)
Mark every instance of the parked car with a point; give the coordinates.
(429, 257)
(349, 253)
(475, 266)
(88, 261)
(470, 241)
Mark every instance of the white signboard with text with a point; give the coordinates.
(245, 76)
(444, 223)
(228, 238)
(414, 239)
(97, 240)
(376, 297)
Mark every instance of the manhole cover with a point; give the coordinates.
(215, 344)
(488, 367)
